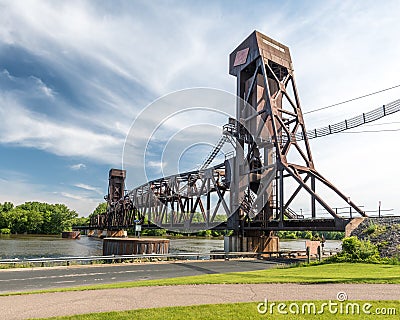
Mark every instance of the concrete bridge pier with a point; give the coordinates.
(127, 246)
(252, 242)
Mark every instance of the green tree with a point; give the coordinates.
(101, 208)
(35, 222)
(81, 221)
(220, 218)
(6, 207)
(19, 220)
(5, 219)
(38, 217)
(62, 218)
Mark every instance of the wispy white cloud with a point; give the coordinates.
(157, 165)
(88, 187)
(29, 129)
(72, 196)
(77, 166)
(43, 88)
(6, 74)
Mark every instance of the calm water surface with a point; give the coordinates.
(33, 246)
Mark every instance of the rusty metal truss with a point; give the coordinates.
(249, 192)
(187, 202)
(265, 80)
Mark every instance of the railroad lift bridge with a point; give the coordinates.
(272, 165)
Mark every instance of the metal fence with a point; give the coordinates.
(153, 257)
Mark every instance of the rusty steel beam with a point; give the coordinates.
(265, 79)
(249, 188)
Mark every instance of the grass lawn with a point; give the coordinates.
(249, 311)
(325, 273)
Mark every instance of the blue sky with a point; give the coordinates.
(74, 75)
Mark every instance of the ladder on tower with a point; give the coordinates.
(214, 152)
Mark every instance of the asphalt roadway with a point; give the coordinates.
(18, 280)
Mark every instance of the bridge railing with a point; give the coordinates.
(352, 123)
(153, 257)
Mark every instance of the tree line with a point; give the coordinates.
(311, 235)
(37, 218)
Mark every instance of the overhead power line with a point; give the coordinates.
(353, 99)
(372, 131)
(352, 123)
(382, 124)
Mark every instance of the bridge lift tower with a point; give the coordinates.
(268, 154)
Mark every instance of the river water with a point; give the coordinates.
(33, 246)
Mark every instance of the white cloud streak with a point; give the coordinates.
(43, 88)
(89, 188)
(77, 166)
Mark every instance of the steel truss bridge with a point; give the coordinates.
(248, 193)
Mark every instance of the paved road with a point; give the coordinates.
(13, 280)
(69, 303)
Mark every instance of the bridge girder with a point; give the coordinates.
(248, 190)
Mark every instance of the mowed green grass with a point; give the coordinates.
(247, 311)
(325, 273)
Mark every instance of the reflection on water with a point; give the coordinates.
(33, 246)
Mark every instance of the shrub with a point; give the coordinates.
(316, 237)
(287, 235)
(215, 233)
(5, 231)
(308, 235)
(375, 230)
(291, 235)
(355, 250)
(382, 244)
(371, 229)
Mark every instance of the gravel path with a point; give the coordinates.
(79, 302)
